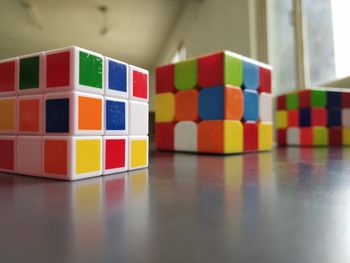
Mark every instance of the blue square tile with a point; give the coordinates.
(250, 75)
(251, 105)
(115, 115)
(334, 118)
(211, 103)
(117, 76)
(57, 115)
(305, 117)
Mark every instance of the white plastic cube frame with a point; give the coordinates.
(42, 80)
(15, 92)
(41, 99)
(74, 84)
(29, 155)
(71, 174)
(106, 171)
(135, 138)
(116, 132)
(345, 117)
(265, 107)
(293, 136)
(13, 131)
(14, 139)
(138, 118)
(131, 83)
(185, 136)
(112, 92)
(73, 97)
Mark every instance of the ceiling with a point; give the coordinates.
(136, 29)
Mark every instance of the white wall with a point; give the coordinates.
(211, 25)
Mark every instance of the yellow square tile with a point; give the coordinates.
(7, 112)
(165, 107)
(233, 137)
(139, 153)
(88, 155)
(281, 119)
(346, 136)
(265, 136)
(320, 136)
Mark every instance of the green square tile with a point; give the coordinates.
(186, 74)
(233, 70)
(292, 101)
(29, 73)
(318, 98)
(90, 70)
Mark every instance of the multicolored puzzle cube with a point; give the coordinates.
(314, 117)
(217, 103)
(71, 114)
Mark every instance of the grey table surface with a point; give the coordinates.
(290, 205)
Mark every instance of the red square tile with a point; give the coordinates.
(165, 136)
(7, 154)
(265, 80)
(319, 117)
(165, 79)
(250, 135)
(58, 70)
(140, 84)
(293, 118)
(8, 76)
(115, 153)
(211, 70)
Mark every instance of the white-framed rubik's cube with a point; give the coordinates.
(71, 113)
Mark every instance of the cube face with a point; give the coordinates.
(185, 136)
(8, 77)
(115, 154)
(138, 122)
(186, 105)
(186, 75)
(165, 136)
(31, 77)
(165, 107)
(165, 79)
(215, 95)
(30, 114)
(138, 152)
(138, 84)
(116, 78)
(8, 110)
(116, 116)
(8, 154)
(29, 155)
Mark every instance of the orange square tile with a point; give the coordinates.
(89, 113)
(186, 105)
(55, 157)
(211, 136)
(29, 115)
(233, 103)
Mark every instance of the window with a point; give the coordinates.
(322, 55)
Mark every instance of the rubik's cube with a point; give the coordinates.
(71, 114)
(217, 103)
(315, 117)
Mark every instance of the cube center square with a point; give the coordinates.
(219, 103)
